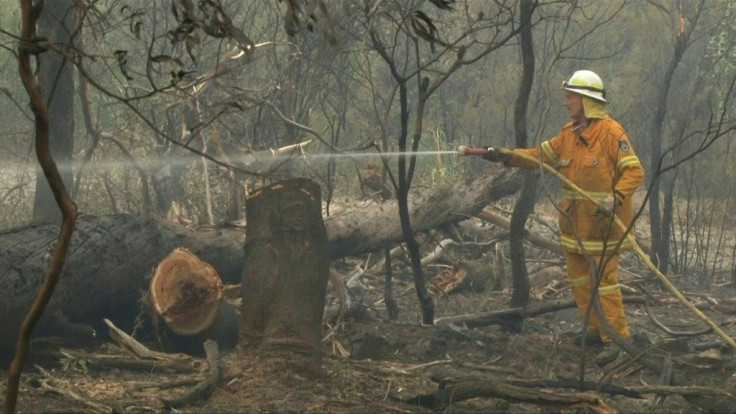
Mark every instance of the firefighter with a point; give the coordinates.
(594, 152)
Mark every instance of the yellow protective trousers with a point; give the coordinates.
(609, 292)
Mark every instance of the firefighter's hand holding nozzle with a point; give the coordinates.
(492, 154)
(607, 206)
(495, 155)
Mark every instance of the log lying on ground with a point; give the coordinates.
(366, 230)
(186, 293)
(472, 276)
(111, 257)
(186, 300)
(109, 262)
(536, 239)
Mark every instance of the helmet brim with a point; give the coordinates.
(598, 96)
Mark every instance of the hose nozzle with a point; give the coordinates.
(465, 150)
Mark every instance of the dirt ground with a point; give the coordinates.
(371, 364)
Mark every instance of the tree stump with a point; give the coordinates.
(285, 275)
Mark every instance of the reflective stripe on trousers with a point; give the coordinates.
(609, 292)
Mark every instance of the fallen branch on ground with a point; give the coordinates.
(454, 389)
(670, 332)
(475, 320)
(445, 397)
(129, 363)
(57, 386)
(204, 389)
(137, 350)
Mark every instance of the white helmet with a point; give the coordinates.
(586, 83)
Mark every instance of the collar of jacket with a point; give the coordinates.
(578, 126)
(589, 133)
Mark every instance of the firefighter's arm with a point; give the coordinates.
(628, 168)
(549, 151)
(513, 161)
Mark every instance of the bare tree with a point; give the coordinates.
(525, 204)
(660, 221)
(404, 51)
(29, 42)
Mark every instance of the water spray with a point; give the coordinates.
(379, 154)
(242, 159)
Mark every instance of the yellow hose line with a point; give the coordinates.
(636, 247)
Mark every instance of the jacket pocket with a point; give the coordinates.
(595, 175)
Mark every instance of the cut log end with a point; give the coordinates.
(464, 276)
(186, 292)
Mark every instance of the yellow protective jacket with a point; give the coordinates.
(600, 160)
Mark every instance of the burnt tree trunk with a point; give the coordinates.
(56, 80)
(528, 196)
(285, 275)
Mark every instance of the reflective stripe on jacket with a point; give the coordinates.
(601, 161)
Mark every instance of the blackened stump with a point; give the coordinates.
(285, 275)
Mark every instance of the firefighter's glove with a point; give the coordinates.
(608, 205)
(494, 154)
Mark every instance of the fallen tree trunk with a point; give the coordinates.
(111, 257)
(536, 239)
(186, 305)
(186, 293)
(108, 264)
(366, 230)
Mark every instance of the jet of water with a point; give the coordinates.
(242, 160)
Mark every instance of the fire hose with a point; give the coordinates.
(463, 150)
